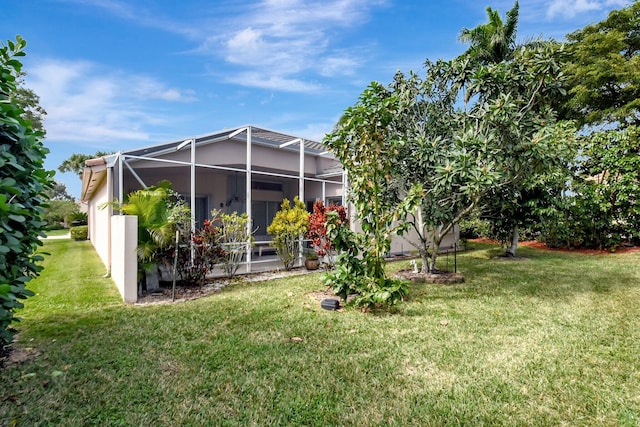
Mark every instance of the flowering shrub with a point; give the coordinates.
(287, 228)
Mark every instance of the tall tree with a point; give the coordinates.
(29, 101)
(75, 162)
(604, 70)
(462, 159)
(494, 41)
(493, 45)
(59, 192)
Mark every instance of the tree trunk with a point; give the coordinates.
(511, 250)
(437, 239)
(424, 254)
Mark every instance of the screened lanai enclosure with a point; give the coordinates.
(245, 169)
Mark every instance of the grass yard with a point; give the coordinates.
(553, 340)
(58, 233)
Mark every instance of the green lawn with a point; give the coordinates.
(56, 233)
(554, 340)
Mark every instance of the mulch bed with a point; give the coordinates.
(619, 250)
(540, 245)
(188, 293)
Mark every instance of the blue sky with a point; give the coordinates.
(118, 74)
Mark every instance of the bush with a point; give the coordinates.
(23, 187)
(474, 228)
(55, 226)
(77, 218)
(318, 228)
(287, 228)
(234, 238)
(80, 232)
(207, 252)
(352, 273)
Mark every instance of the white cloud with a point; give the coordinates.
(89, 105)
(273, 82)
(570, 8)
(278, 40)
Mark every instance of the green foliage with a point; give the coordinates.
(80, 232)
(457, 160)
(75, 162)
(474, 227)
(234, 239)
(529, 80)
(159, 210)
(78, 218)
(602, 208)
(367, 143)
(494, 41)
(57, 212)
(59, 192)
(288, 228)
(198, 252)
(604, 70)
(355, 270)
(23, 186)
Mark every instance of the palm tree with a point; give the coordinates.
(494, 41)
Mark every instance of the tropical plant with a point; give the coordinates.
(234, 238)
(494, 41)
(367, 143)
(198, 252)
(352, 274)
(602, 208)
(24, 184)
(78, 218)
(318, 229)
(288, 228)
(75, 162)
(158, 210)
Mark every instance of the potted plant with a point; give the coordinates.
(311, 261)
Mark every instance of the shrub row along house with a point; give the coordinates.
(245, 169)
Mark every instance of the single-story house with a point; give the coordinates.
(243, 169)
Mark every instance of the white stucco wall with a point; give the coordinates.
(124, 262)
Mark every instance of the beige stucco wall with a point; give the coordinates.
(98, 220)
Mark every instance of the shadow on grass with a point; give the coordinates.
(536, 273)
